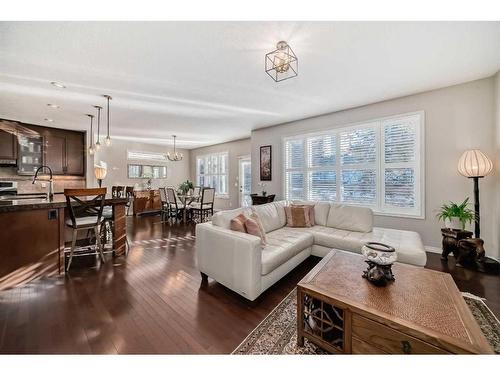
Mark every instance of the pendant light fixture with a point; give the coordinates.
(176, 156)
(107, 141)
(282, 63)
(91, 147)
(98, 144)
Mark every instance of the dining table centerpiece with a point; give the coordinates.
(186, 187)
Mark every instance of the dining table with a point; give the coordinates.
(186, 199)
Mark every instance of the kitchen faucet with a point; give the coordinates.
(50, 193)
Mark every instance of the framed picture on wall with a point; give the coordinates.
(265, 163)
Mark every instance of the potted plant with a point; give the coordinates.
(455, 216)
(185, 187)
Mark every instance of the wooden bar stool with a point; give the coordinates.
(85, 214)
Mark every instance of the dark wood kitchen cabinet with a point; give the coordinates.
(64, 151)
(8, 146)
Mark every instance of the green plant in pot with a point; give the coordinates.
(456, 216)
(185, 187)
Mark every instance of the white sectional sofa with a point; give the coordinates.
(239, 261)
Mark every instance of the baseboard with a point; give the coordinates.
(433, 249)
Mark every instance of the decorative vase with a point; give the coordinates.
(380, 258)
(453, 223)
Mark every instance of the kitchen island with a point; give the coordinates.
(33, 235)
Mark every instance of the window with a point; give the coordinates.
(212, 171)
(375, 164)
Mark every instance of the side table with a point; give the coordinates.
(450, 241)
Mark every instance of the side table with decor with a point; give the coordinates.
(262, 199)
(451, 237)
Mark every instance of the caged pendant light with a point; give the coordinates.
(176, 155)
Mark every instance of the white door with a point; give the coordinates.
(245, 181)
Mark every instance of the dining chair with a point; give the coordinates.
(117, 191)
(85, 214)
(165, 205)
(174, 210)
(205, 207)
(197, 193)
(129, 194)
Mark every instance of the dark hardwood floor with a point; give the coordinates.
(153, 302)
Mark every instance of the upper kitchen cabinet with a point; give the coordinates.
(64, 151)
(8, 148)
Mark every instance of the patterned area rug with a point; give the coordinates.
(277, 333)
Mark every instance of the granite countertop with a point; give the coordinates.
(59, 201)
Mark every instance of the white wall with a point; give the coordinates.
(235, 149)
(116, 158)
(456, 118)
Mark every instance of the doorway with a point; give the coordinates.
(245, 180)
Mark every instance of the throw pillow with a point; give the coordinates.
(310, 208)
(254, 227)
(238, 223)
(298, 217)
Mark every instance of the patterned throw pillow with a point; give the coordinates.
(238, 223)
(254, 227)
(310, 208)
(298, 216)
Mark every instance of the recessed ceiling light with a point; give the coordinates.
(57, 84)
(49, 120)
(53, 106)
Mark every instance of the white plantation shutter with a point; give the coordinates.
(321, 163)
(400, 154)
(212, 171)
(358, 154)
(375, 164)
(294, 169)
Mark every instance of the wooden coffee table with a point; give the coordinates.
(422, 312)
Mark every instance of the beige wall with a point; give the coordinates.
(456, 118)
(116, 158)
(235, 149)
(496, 160)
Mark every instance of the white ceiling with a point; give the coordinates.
(205, 81)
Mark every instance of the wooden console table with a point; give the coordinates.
(421, 312)
(146, 201)
(261, 199)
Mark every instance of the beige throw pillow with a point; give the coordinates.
(310, 208)
(297, 216)
(238, 223)
(254, 227)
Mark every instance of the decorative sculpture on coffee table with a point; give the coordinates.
(380, 258)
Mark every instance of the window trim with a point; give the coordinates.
(210, 154)
(378, 209)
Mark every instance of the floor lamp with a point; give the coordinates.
(474, 164)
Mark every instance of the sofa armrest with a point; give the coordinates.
(232, 258)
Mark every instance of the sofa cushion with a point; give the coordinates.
(223, 218)
(408, 245)
(269, 216)
(352, 218)
(280, 209)
(282, 245)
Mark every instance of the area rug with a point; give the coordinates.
(277, 333)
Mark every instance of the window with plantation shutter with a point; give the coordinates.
(212, 171)
(375, 164)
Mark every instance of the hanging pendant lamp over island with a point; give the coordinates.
(177, 156)
(91, 147)
(98, 143)
(107, 141)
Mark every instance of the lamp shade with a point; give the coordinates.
(474, 163)
(100, 172)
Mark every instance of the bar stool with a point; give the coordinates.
(85, 214)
